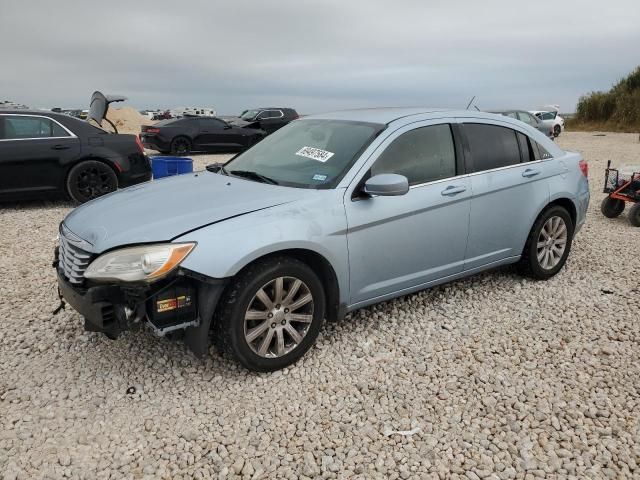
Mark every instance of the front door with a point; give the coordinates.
(215, 134)
(403, 243)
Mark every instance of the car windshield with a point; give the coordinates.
(306, 153)
(249, 114)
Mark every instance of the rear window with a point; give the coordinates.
(171, 122)
(492, 146)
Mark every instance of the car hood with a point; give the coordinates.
(162, 210)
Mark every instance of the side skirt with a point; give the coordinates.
(433, 283)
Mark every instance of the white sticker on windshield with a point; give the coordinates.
(315, 154)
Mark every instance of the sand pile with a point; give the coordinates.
(127, 120)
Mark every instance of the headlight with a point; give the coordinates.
(146, 263)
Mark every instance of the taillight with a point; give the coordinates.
(150, 130)
(139, 143)
(584, 168)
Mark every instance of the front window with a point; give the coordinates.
(526, 118)
(422, 155)
(250, 115)
(306, 153)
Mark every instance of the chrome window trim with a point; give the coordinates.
(71, 134)
(269, 118)
(466, 175)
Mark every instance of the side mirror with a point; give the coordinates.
(387, 185)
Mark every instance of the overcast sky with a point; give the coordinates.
(315, 55)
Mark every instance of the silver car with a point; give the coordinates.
(545, 126)
(327, 215)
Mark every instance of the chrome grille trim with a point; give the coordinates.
(73, 261)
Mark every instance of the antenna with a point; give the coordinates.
(470, 102)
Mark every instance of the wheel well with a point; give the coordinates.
(183, 137)
(322, 268)
(568, 205)
(89, 159)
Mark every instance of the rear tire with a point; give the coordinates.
(611, 207)
(90, 179)
(548, 244)
(181, 146)
(263, 337)
(634, 215)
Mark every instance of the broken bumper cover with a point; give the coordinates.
(112, 309)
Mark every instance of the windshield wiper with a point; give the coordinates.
(253, 176)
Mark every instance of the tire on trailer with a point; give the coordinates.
(548, 244)
(634, 215)
(270, 314)
(611, 207)
(181, 146)
(90, 179)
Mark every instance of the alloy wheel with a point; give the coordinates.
(278, 317)
(94, 181)
(552, 242)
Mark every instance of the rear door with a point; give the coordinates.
(508, 187)
(33, 152)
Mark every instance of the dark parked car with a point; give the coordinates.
(268, 119)
(47, 154)
(181, 136)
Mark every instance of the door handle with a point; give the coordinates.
(530, 172)
(453, 190)
(60, 147)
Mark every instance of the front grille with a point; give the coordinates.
(73, 260)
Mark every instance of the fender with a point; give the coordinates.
(225, 248)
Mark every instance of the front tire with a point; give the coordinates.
(271, 314)
(611, 207)
(557, 130)
(548, 244)
(90, 179)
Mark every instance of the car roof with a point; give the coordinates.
(507, 110)
(47, 113)
(387, 115)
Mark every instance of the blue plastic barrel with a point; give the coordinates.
(168, 166)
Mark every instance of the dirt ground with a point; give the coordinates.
(495, 376)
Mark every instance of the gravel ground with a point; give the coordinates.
(490, 377)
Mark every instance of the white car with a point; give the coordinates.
(550, 116)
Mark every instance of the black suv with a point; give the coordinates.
(269, 119)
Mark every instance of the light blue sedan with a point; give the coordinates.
(329, 214)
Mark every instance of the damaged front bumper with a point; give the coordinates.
(185, 301)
